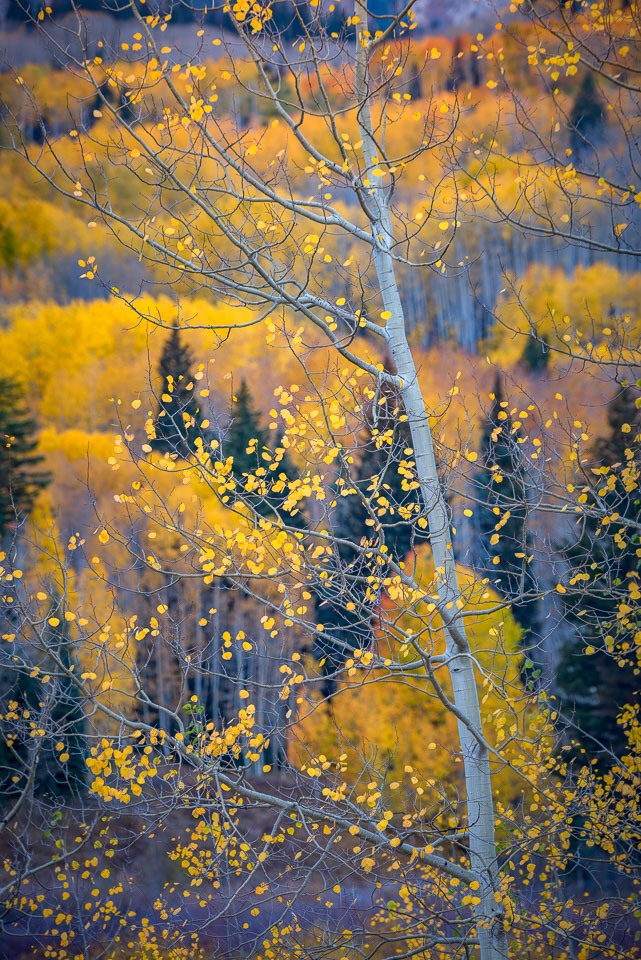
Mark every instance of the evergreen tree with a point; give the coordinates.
(245, 440)
(536, 355)
(20, 698)
(504, 540)
(176, 418)
(385, 478)
(54, 706)
(586, 116)
(67, 720)
(342, 607)
(457, 71)
(20, 476)
(594, 688)
(247, 443)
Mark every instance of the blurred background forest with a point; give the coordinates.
(81, 374)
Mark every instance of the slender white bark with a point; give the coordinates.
(480, 808)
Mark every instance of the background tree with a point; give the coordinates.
(58, 761)
(245, 439)
(536, 355)
(586, 117)
(246, 442)
(20, 700)
(504, 545)
(175, 423)
(21, 478)
(64, 770)
(603, 564)
(382, 511)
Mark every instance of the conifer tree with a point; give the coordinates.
(586, 116)
(536, 355)
(384, 477)
(247, 443)
(385, 487)
(504, 539)
(176, 418)
(59, 759)
(593, 687)
(246, 439)
(21, 479)
(67, 720)
(20, 696)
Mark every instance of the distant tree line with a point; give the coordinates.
(290, 15)
(591, 688)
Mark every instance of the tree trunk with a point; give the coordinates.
(480, 809)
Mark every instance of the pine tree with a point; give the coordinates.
(385, 478)
(20, 697)
(56, 706)
(536, 355)
(380, 511)
(247, 443)
(176, 418)
(594, 688)
(500, 485)
(67, 719)
(245, 440)
(284, 473)
(20, 476)
(586, 116)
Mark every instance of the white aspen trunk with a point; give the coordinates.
(478, 783)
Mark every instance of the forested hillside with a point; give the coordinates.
(320, 400)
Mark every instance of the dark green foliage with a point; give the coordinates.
(68, 722)
(176, 419)
(594, 688)
(19, 692)
(535, 355)
(247, 443)
(385, 497)
(56, 708)
(501, 486)
(20, 476)
(244, 434)
(385, 478)
(344, 610)
(586, 116)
